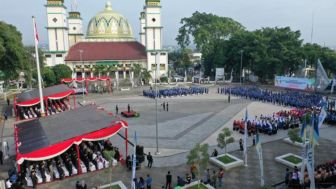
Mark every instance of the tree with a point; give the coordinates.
(200, 157)
(61, 71)
(137, 69)
(11, 51)
(30, 68)
(146, 75)
(294, 136)
(224, 138)
(48, 76)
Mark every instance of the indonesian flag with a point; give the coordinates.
(35, 31)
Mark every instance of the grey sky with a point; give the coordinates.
(253, 14)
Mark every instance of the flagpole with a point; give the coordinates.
(38, 68)
(134, 162)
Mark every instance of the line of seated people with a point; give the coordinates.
(94, 156)
(325, 176)
(53, 107)
(98, 155)
(267, 124)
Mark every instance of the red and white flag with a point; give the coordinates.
(35, 31)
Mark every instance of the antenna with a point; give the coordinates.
(74, 5)
(312, 29)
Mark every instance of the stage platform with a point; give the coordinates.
(130, 114)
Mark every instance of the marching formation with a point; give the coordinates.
(164, 93)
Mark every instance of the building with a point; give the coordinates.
(109, 41)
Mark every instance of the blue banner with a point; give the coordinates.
(295, 83)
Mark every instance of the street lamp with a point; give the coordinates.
(81, 59)
(157, 56)
(241, 66)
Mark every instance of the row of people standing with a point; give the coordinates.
(287, 98)
(178, 91)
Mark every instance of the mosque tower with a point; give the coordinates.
(142, 28)
(153, 38)
(57, 32)
(75, 25)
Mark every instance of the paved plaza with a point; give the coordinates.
(190, 120)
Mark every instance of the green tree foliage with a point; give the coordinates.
(61, 71)
(48, 76)
(294, 136)
(146, 76)
(200, 157)
(12, 51)
(205, 29)
(266, 51)
(224, 138)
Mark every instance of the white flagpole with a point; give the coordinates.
(303, 165)
(134, 162)
(38, 68)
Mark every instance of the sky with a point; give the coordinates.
(253, 14)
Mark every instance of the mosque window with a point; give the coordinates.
(153, 19)
(74, 28)
(59, 55)
(55, 19)
(48, 56)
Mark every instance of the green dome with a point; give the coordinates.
(109, 25)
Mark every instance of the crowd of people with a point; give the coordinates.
(295, 99)
(212, 177)
(269, 124)
(285, 98)
(325, 176)
(94, 156)
(51, 107)
(178, 91)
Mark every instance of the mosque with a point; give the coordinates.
(109, 41)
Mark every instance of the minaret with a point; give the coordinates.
(57, 32)
(153, 30)
(142, 28)
(75, 25)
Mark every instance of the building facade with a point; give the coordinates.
(108, 42)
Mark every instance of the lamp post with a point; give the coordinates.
(83, 80)
(241, 66)
(157, 55)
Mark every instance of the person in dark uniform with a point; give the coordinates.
(229, 98)
(1, 157)
(117, 109)
(128, 108)
(8, 101)
(150, 160)
(168, 180)
(167, 106)
(164, 106)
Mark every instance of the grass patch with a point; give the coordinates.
(113, 187)
(293, 159)
(201, 186)
(226, 159)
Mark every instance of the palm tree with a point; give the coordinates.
(146, 75)
(137, 69)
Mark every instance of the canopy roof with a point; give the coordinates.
(69, 80)
(32, 97)
(45, 138)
